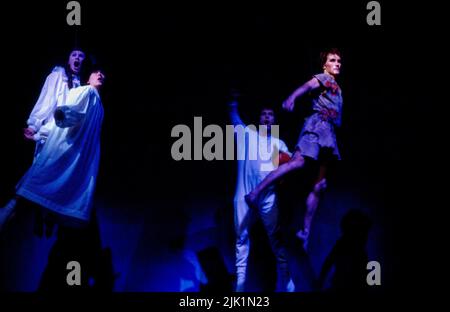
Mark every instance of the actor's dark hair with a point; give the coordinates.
(69, 75)
(91, 65)
(69, 70)
(267, 107)
(324, 55)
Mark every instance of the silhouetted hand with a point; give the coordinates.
(234, 95)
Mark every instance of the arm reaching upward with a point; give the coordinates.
(233, 111)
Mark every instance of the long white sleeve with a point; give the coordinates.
(54, 85)
(73, 112)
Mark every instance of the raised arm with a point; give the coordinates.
(234, 113)
(305, 88)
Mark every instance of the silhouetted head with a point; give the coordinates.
(355, 224)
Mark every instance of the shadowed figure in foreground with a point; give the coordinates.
(348, 257)
(84, 246)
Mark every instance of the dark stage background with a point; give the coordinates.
(161, 218)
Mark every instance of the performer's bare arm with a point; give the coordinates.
(233, 109)
(305, 88)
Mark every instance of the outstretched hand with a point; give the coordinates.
(29, 133)
(289, 104)
(234, 95)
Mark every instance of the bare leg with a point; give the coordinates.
(297, 161)
(312, 202)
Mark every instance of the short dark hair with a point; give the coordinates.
(324, 55)
(91, 66)
(78, 48)
(266, 107)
